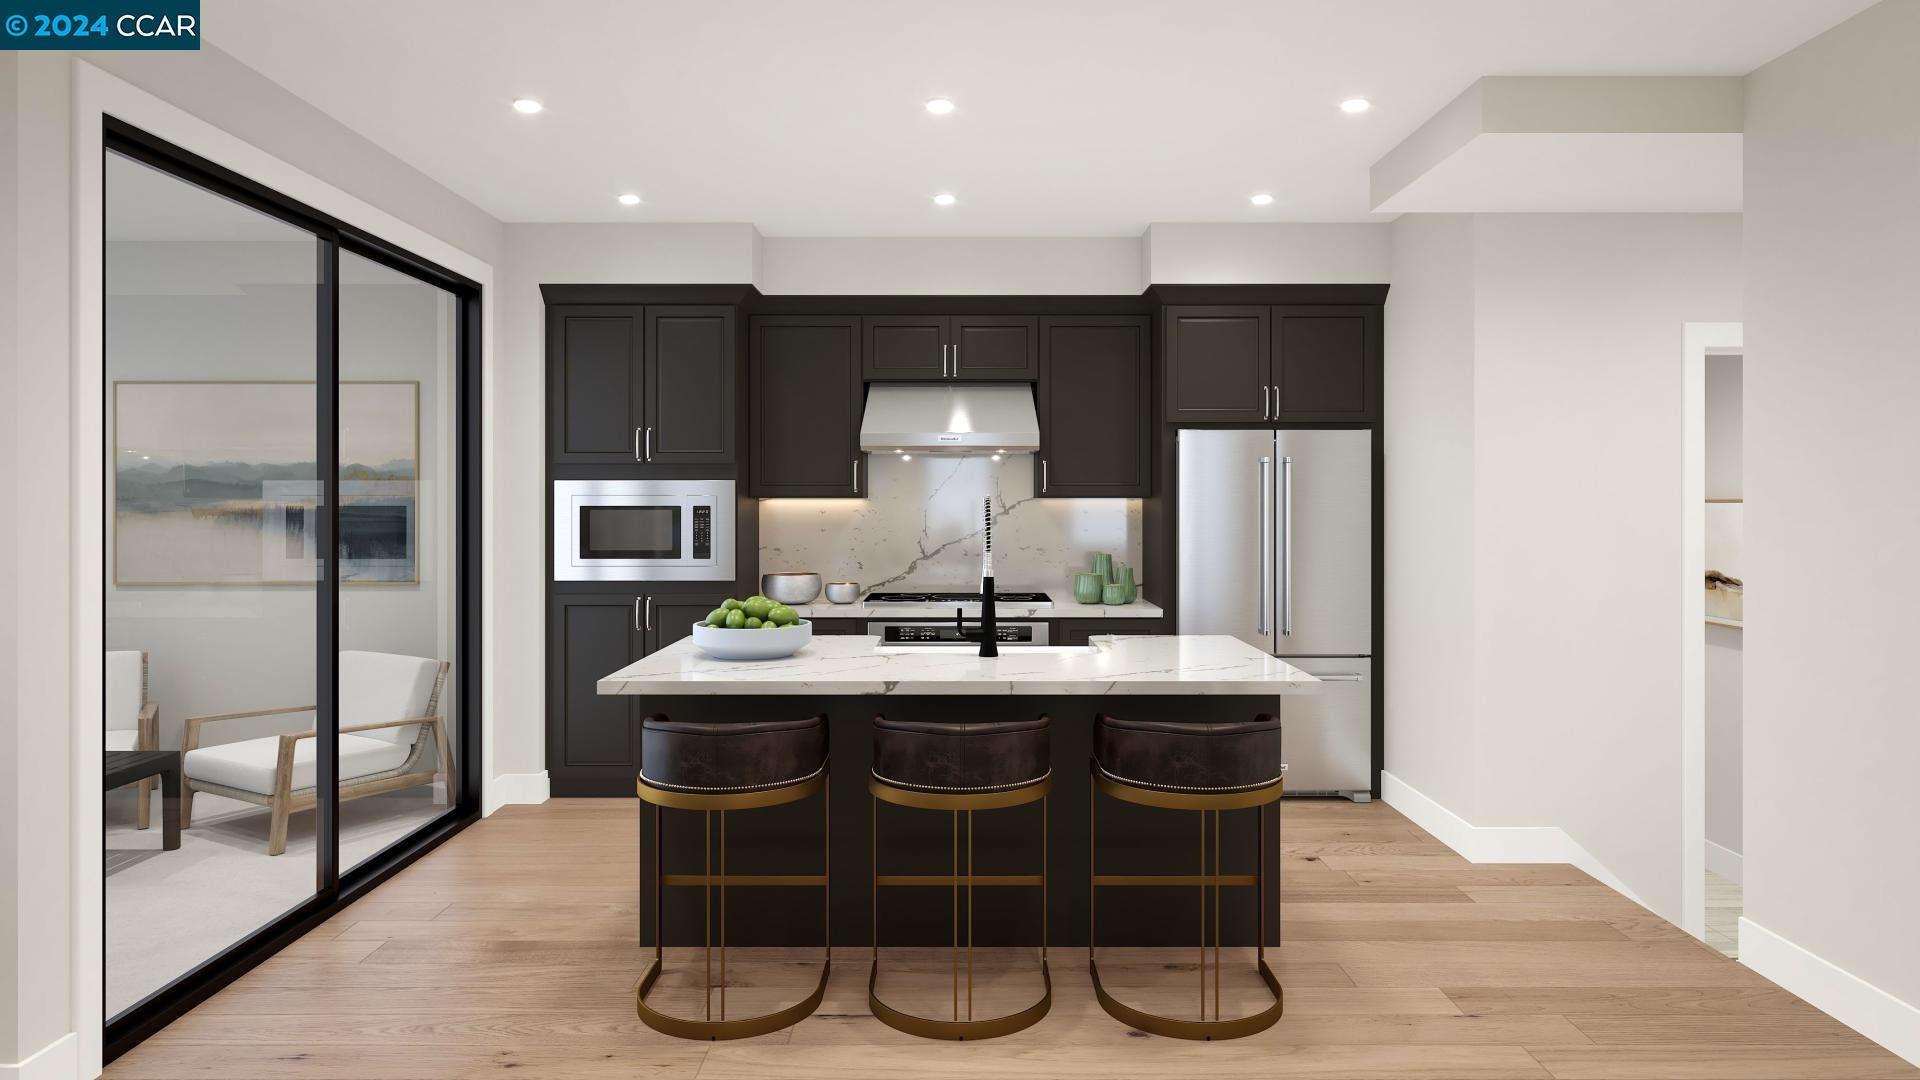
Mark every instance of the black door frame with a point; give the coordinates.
(333, 890)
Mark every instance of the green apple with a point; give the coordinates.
(783, 615)
(753, 622)
(717, 617)
(730, 604)
(736, 619)
(757, 607)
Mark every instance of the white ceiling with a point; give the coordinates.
(1076, 117)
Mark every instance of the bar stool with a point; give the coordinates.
(1207, 767)
(960, 767)
(722, 767)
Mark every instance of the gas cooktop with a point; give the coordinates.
(1018, 599)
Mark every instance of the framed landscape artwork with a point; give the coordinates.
(215, 483)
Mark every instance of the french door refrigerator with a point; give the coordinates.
(1276, 549)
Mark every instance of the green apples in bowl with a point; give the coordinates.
(752, 629)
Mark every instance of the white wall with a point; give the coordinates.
(1832, 383)
(1429, 681)
(1001, 266)
(1572, 506)
(36, 842)
(1231, 254)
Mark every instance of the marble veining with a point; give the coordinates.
(919, 527)
(1112, 665)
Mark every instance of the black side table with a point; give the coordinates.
(125, 767)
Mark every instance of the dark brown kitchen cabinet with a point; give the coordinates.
(981, 348)
(1286, 364)
(1324, 362)
(1080, 631)
(839, 627)
(641, 385)
(1095, 402)
(593, 741)
(690, 394)
(1218, 367)
(806, 403)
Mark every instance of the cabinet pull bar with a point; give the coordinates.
(636, 613)
(636, 445)
(1043, 474)
(649, 617)
(856, 476)
(649, 444)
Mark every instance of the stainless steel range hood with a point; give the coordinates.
(951, 419)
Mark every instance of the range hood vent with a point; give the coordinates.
(951, 419)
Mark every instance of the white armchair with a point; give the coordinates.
(132, 720)
(389, 710)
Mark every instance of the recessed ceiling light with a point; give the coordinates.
(1262, 199)
(527, 105)
(945, 198)
(629, 199)
(1354, 106)
(940, 106)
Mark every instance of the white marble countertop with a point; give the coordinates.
(851, 664)
(1139, 609)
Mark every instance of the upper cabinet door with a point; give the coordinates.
(905, 347)
(1096, 423)
(1325, 362)
(598, 397)
(1217, 365)
(690, 389)
(995, 348)
(807, 398)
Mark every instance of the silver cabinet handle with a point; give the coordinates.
(1043, 474)
(1351, 676)
(1276, 401)
(956, 360)
(1286, 542)
(636, 613)
(1265, 617)
(1266, 404)
(649, 442)
(636, 445)
(649, 624)
(856, 476)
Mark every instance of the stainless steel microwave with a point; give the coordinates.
(643, 530)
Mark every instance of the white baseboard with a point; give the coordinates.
(510, 789)
(1840, 994)
(1496, 843)
(1724, 861)
(58, 1060)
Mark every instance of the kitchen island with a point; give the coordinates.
(1178, 678)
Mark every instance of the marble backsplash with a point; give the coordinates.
(920, 528)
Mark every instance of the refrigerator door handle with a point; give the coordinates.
(1286, 547)
(1264, 625)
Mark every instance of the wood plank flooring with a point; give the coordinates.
(511, 951)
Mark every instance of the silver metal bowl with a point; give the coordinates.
(801, 588)
(843, 592)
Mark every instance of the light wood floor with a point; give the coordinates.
(511, 951)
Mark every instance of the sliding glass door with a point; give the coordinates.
(291, 413)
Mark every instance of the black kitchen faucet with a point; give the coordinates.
(989, 620)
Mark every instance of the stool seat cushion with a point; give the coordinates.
(731, 757)
(963, 757)
(1237, 756)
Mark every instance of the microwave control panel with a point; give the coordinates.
(703, 532)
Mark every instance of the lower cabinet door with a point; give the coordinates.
(670, 618)
(593, 742)
(1081, 631)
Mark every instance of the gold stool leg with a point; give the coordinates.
(958, 1029)
(723, 1028)
(1170, 1027)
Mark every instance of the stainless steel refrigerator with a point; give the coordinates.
(1276, 548)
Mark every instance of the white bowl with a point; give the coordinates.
(724, 644)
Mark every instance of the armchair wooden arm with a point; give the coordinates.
(148, 737)
(192, 740)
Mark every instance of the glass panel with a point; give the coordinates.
(399, 518)
(630, 532)
(211, 322)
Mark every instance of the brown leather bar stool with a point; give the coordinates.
(960, 768)
(1207, 767)
(722, 767)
